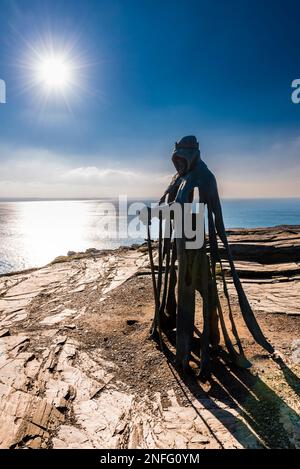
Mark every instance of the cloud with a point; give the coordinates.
(273, 171)
(92, 174)
(110, 182)
(40, 173)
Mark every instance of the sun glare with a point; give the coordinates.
(54, 72)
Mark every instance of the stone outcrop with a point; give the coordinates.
(58, 390)
(268, 262)
(266, 245)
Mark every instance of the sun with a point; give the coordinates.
(54, 72)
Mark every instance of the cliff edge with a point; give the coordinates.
(77, 369)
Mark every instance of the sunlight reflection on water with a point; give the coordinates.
(34, 233)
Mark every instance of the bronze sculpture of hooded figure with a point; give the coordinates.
(182, 271)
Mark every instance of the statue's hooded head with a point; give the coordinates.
(186, 154)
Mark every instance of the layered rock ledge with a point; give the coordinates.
(77, 369)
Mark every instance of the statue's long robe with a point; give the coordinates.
(197, 271)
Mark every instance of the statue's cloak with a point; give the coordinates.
(181, 190)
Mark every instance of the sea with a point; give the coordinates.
(34, 232)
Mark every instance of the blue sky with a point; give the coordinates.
(148, 73)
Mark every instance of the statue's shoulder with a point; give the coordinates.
(206, 174)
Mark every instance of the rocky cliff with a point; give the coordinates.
(77, 368)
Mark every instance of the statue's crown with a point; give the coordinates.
(189, 142)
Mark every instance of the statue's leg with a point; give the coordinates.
(214, 332)
(171, 305)
(185, 311)
(203, 278)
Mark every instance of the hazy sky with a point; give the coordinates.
(146, 73)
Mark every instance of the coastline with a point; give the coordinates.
(77, 368)
(233, 235)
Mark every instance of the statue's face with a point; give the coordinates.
(184, 160)
(180, 164)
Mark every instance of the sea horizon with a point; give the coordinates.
(34, 231)
(29, 199)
